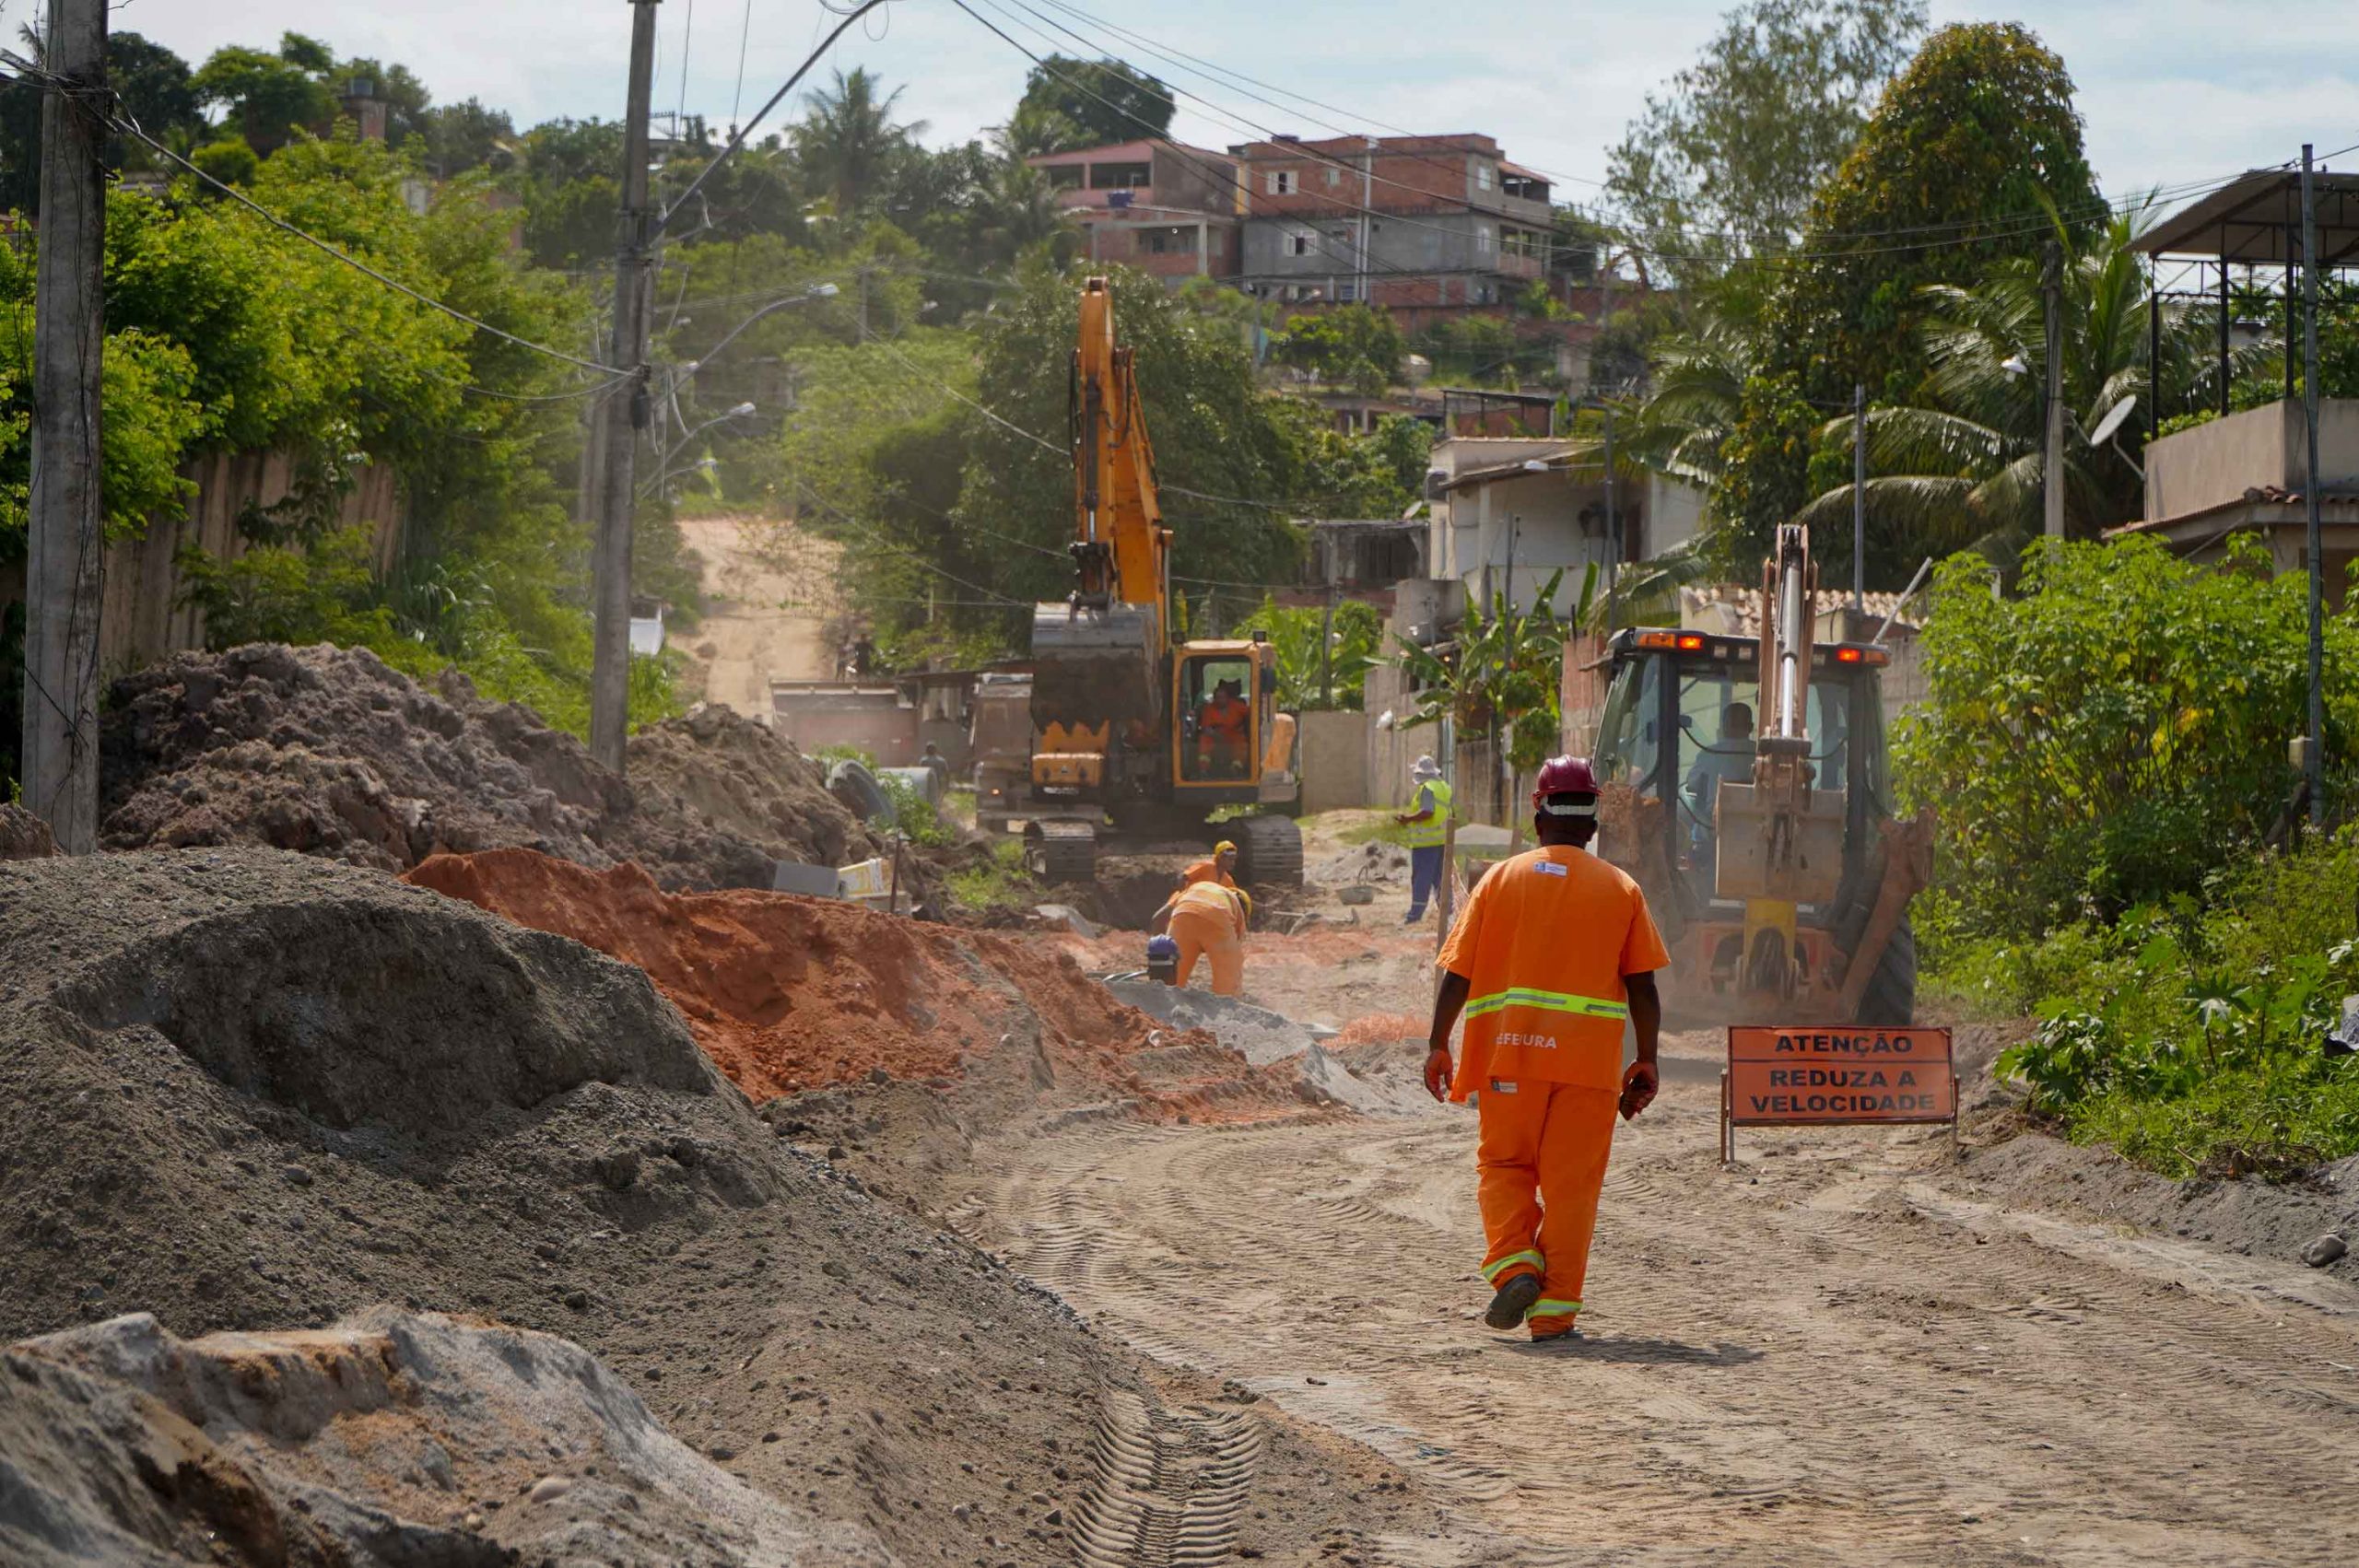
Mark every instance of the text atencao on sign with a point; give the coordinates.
(1823, 1076)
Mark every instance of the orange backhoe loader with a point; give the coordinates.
(1744, 785)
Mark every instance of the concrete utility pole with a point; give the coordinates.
(2052, 465)
(627, 415)
(60, 765)
(2315, 759)
(1859, 497)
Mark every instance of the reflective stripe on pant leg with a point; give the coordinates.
(1576, 1137)
(1491, 1271)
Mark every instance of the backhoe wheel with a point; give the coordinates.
(1890, 1000)
(1268, 851)
(1062, 852)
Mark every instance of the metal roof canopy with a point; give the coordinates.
(2257, 219)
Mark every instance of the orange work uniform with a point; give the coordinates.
(1221, 724)
(1544, 943)
(1208, 921)
(1206, 871)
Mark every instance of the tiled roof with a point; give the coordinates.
(1736, 611)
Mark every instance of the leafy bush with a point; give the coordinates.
(2190, 1036)
(2109, 735)
(915, 816)
(1358, 633)
(997, 880)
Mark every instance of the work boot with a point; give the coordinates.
(1514, 1299)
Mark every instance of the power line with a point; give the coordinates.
(124, 123)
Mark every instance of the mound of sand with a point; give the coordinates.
(788, 993)
(329, 752)
(246, 1090)
(394, 1438)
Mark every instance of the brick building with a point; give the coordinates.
(1166, 208)
(1423, 226)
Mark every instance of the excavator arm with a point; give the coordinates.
(1119, 543)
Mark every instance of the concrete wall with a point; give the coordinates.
(878, 722)
(1334, 760)
(2214, 463)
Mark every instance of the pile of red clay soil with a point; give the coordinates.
(787, 993)
(330, 751)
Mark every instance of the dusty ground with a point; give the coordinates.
(1853, 1346)
(769, 594)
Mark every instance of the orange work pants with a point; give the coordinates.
(1541, 1162)
(1203, 934)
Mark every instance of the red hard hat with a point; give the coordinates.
(1563, 776)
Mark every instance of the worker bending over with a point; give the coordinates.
(1208, 921)
(1220, 868)
(1555, 950)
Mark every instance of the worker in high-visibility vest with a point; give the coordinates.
(1554, 953)
(1220, 868)
(1208, 921)
(1427, 819)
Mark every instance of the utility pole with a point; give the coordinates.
(2315, 759)
(2052, 465)
(1612, 526)
(1859, 497)
(60, 765)
(627, 415)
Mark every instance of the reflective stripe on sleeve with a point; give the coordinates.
(1491, 1271)
(1550, 1002)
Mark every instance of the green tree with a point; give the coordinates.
(848, 139)
(228, 159)
(1353, 345)
(1964, 466)
(1969, 150)
(1354, 635)
(1499, 676)
(1724, 161)
(1069, 104)
(460, 137)
(268, 98)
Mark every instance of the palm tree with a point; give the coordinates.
(1963, 469)
(848, 138)
(1697, 379)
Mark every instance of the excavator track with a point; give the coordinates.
(1268, 851)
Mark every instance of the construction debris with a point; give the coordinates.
(330, 751)
(24, 837)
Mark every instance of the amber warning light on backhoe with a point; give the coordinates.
(1823, 1076)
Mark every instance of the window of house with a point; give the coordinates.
(1482, 176)
(1299, 243)
(1334, 176)
(1280, 181)
(1168, 241)
(1118, 176)
(1064, 177)
(1482, 241)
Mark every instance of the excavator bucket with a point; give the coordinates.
(1793, 857)
(1094, 665)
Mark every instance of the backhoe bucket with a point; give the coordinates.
(1794, 857)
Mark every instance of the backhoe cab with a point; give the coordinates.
(1745, 787)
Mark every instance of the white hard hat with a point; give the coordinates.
(1424, 768)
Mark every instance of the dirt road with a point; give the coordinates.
(769, 595)
(1829, 1354)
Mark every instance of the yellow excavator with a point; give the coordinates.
(1137, 740)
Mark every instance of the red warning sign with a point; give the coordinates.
(1835, 1077)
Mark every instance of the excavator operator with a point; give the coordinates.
(1222, 727)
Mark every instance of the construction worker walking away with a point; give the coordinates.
(1427, 819)
(1555, 950)
(1218, 869)
(1208, 921)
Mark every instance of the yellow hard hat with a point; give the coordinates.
(1225, 847)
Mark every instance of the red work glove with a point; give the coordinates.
(1638, 1086)
(1437, 1072)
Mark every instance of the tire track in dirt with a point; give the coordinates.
(1799, 1359)
(1170, 1486)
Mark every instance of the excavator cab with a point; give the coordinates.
(1677, 755)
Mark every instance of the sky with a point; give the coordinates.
(2173, 92)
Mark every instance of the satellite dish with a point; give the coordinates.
(2112, 421)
